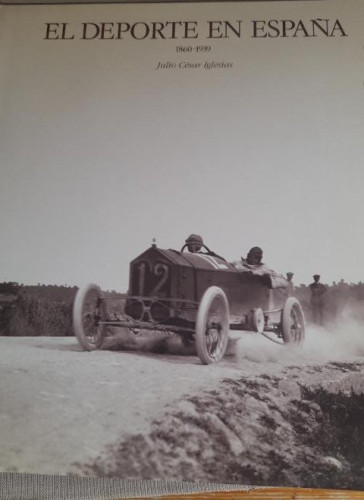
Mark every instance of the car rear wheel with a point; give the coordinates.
(88, 310)
(212, 326)
(293, 322)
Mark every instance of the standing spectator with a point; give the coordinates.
(318, 291)
(290, 286)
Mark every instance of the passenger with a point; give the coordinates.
(290, 286)
(318, 291)
(253, 264)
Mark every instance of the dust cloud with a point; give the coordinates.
(337, 341)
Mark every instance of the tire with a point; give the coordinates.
(212, 326)
(88, 310)
(257, 320)
(293, 322)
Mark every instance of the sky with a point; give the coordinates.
(101, 151)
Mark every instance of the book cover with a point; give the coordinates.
(183, 138)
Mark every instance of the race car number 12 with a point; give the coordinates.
(160, 270)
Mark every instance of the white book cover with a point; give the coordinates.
(125, 128)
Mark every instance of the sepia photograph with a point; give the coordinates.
(181, 295)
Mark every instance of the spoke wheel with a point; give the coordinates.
(257, 320)
(293, 322)
(88, 310)
(212, 326)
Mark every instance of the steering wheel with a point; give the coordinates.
(201, 245)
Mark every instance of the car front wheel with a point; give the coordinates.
(212, 325)
(293, 322)
(88, 310)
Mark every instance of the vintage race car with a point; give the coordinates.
(198, 296)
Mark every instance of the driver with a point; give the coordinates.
(195, 243)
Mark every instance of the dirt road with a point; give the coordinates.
(61, 406)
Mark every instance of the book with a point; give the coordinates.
(130, 130)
